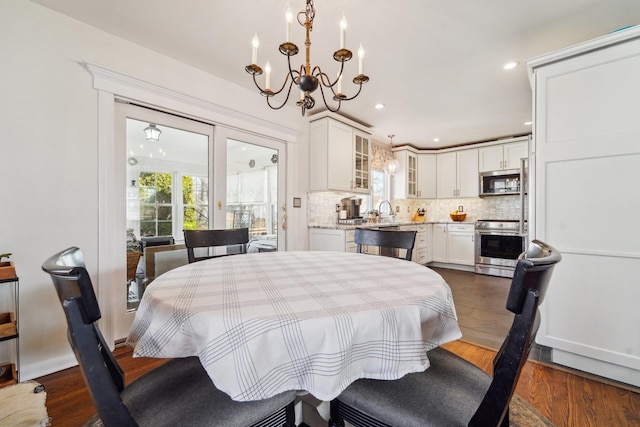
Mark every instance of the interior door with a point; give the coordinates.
(167, 190)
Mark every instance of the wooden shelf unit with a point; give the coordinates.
(9, 331)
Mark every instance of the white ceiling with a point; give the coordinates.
(435, 64)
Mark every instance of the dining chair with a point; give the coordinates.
(178, 392)
(389, 239)
(235, 239)
(452, 391)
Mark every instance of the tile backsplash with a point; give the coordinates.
(322, 208)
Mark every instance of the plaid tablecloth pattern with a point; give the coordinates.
(264, 323)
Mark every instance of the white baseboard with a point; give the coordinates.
(601, 368)
(46, 367)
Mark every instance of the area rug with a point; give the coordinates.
(23, 405)
(523, 414)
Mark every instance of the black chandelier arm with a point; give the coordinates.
(320, 75)
(292, 71)
(354, 96)
(327, 104)
(270, 92)
(286, 99)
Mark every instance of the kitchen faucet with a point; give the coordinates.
(386, 202)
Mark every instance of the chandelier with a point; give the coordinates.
(307, 79)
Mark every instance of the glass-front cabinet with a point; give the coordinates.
(362, 154)
(341, 156)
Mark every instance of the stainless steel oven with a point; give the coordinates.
(498, 245)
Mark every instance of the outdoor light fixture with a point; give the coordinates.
(152, 132)
(391, 165)
(307, 79)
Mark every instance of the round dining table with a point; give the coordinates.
(263, 323)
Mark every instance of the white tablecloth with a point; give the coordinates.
(316, 321)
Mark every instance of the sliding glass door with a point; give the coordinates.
(255, 188)
(168, 162)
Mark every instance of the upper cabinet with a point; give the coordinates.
(339, 157)
(503, 156)
(405, 180)
(416, 176)
(427, 176)
(457, 173)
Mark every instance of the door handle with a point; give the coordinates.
(284, 217)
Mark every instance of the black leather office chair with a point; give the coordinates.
(235, 239)
(452, 391)
(178, 393)
(385, 239)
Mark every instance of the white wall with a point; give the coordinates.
(49, 153)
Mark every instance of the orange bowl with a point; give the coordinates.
(458, 217)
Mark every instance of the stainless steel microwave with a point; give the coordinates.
(500, 183)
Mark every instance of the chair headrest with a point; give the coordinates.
(72, 281)
(532, 273)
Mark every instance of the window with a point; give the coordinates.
(195, 202)
(380, 189)
(156, 207)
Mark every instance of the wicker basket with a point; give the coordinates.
(458, 217)
(132, 264)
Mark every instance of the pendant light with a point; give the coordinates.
(152, 132)
(391, 165)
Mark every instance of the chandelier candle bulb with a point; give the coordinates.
(289, 19)
(267, 70)
(254, 53)
(343, 31)
(360, 59)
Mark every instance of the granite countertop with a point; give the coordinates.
(386, 224)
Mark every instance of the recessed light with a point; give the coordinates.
(379, 106)
(510, 65)
(436, 139)
(527, 123)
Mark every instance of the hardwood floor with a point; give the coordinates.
(567, 398)
(480, 303)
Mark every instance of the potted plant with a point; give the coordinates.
(7, 270)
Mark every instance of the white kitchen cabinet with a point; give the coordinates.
(457, 173)
(427, 176)
(429, 240)
(460, 244)
(339, 157)
(586, 168)
(502, 157)
(416, 176)
(329, 239)
(420, 250)
(439, 246)
(405, 180)
(453, 244)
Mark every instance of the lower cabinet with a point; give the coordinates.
(460, 246)
(454, 243)
(329, 239)
(439, 246)
(421, 248)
